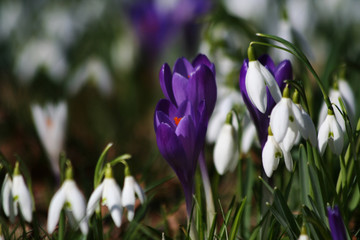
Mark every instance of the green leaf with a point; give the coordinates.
(317, 189)
(304, 175)
(100, 165)
(236, 222)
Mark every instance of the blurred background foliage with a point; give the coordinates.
(46, 46)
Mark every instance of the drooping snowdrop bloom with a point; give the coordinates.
(70, 198)
(94, 71)
(50, 123)
(287, 121)
(130, 188)
(16, 194)
(226, 150)
(341, 89)
(271, 154)
(336, 223)
(41, 53)
(281, 72)
(330, 133)
(109, 193)
(303, 234)
(257, 79)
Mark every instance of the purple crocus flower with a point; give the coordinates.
(281, 73)
(337, 227)
(181, 119)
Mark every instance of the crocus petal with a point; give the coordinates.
(225, 148)
(337, 227)
(283, 72)
(183, 67)
(179, 88)
(128, 200)
(7, 198)
(337, 143)
(186, 134)
(112, 194)
(323, 135)
(56, 204)
(76, 200)
(20, 190)
(271, 83)
(170, 147)
(165, 77)
(94, 200)
(202, 59)
(169, 109)
(255, 86)
(279, 119)
(202, 86)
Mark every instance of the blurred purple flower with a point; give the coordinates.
(281, 73)
(337, 227)
(181, 119)
(156, 21)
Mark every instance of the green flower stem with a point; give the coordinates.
(210, 208)
(61, 230)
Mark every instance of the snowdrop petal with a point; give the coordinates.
(76, 200)
(298, 116)
(290, 137)
(271, 83)
(128, 199)
(308, 131)
(279, 120)
(323, 135)
(112, 196)
(255, 86)
(7, 198)
(268, 156)
(338, 137)
(21, 192)
(248, 136)
(56, 204)
(225, 148)
(348, 96)
(94, 200)
(288, 159)
(140, 192)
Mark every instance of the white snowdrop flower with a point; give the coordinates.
(271, 155)
(248, 134)
(330, 133)
(109, 193)
(50, 122)
(256, 80)
(251, 10)
(340, 90)
(227, 99)
(226, 150)
(93, 70)
(308, 131)
(41, 53)
(286, 120)
(128, 198)
(123, 52)
(303, 235)
(10, 13)
(15, 193)
(58, 25)
(70, 197)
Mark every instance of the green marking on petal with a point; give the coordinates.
(67, 205)
(331, 135)
(16, 198)
(291, 118)
(278, 155)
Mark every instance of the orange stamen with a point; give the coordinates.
(49, 122)
(177, 120)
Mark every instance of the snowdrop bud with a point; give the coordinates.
(256, 80)
(226, 150)
(130, 188)
(330, 133)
